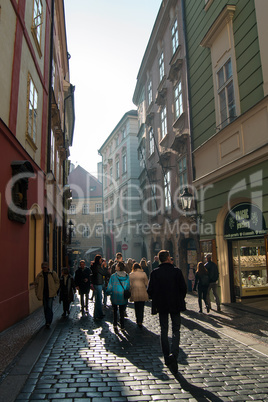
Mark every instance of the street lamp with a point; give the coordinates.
(186, 200)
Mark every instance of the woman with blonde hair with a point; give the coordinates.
(129, 265)
(202, 283)
(144, 266)
(138, 288)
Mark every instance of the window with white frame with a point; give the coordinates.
(182, 174)
(124, 133)
(151, 141)
(174, 36)
(167, 192)
(98, 208)
(163, 121)
(226, 94)
(124, 163)
(178, 100)
(117, 169)
(85, 209)
(150, 92)
(73, 232)
(72, 210)
(32, 101)
(98, 231)
(52, 152)
(161, 66)
(37, 20)
(85, 232)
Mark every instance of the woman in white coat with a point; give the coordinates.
(138, 288)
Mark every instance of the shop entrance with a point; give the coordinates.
(248, 271)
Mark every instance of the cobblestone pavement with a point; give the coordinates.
(84, 360)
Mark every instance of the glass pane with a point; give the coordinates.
(223, 109)
(220, 78)
(228, 70)
(231, 103)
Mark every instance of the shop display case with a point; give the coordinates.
(250, 269)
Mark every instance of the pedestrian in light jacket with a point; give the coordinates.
(118, 282)
(138, 288)
(46, 287)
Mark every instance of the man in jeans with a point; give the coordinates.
(46, 286)
(213, 274)
(167, 289)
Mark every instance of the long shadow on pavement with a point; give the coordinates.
(198, 393)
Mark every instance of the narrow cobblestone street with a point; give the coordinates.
(86, 360)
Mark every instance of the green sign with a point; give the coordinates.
(244, 220)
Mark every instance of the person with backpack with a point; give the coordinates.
(213, 274)
(202, 284)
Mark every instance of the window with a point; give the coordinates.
(85, 209)
(32, 111)
(98, 231)
(85, 231)
(174, 37)
(226, 94)
(117, 167)
(52, 152)
(163, 121)
(161, 66)
(111, 175)
(117, 141)
(141, 157)
(72, 209)
(124, 163)
(183, 180)
(167, 191)
(98, 208)
(150, 92)
(151, 141)
(124, 133)
(37, 20)
(178, 100)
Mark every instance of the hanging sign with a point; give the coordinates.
(244, 220)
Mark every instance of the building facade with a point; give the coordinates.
(36, 129)
(85, 216)
(161, 96)
(228, 84)
(121, 190)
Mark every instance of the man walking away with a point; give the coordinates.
(167, 289)
(46, 286)
(213, 274)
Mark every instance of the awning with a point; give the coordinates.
(90, 250)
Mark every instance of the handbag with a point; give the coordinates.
(127, 292)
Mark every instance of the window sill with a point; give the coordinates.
(31, 142)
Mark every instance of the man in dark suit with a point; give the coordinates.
(167, 289)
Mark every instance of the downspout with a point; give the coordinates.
(49, 117)
(50, 87)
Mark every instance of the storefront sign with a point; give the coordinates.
(244, 220)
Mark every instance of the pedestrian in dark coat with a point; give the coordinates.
(202, 283)
(67, 290)
(82, 283)
(167, 289)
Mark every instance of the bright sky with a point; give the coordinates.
(106, 40)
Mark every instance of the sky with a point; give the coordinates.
(106, 40)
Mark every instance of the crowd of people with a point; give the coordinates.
(133, 281)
